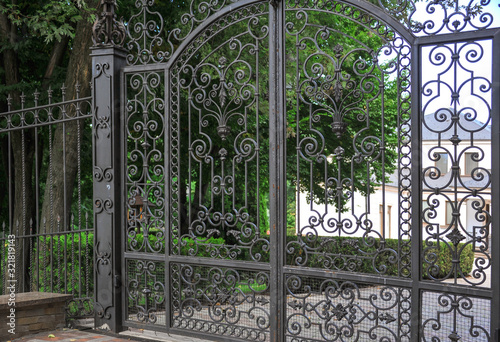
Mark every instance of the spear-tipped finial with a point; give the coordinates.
(49, 94)
(36, 96)
(23, 99)
(63, 92)
(77, 89)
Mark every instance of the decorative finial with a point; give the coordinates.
(107, 31)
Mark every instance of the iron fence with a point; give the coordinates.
(46, 202)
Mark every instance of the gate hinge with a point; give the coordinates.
(117, 282)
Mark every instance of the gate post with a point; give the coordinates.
(108, 57)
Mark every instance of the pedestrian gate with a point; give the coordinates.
(301, 170)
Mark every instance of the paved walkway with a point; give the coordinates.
(68, 335)
(73, 335)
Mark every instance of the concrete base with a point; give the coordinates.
(31, 312)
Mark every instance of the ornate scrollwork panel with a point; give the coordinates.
(222, 301)
(347, 115)
(319, 309)
(220, 142)
(146, 297)
(145, 169)
(150, 42)
(450, 317)
(80, 307)
(457, 163)
(440, 17)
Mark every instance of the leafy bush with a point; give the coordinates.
(207, 249)
(64, 260)
(436, 260)
(439, 260)
(63, 263)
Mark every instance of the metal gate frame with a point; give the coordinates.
(110, 200)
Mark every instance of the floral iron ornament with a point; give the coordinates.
(107, 31)
(337, 92)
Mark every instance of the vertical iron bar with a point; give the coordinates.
(58, 260)
(382, 125)
(87, 264)
(495, 192)
(37, 208)
(65, 261)
(168, 196)
(73, 263)
(64, 220)
(51, 202)
(399, 119)
(80, 263)
(51, 268)
(21, 247)
(277, 167)
(416, 187)
(257, 133)
(9, 162)
(37, 262)
(42, 246)
(124, 190)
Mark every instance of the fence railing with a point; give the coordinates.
(46, 220)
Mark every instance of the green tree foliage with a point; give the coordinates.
(50, 20)
(35, 48)
(43, 44)
(370, 125)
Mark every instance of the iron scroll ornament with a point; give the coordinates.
(161, 50)
(107, 30)
(460, 131)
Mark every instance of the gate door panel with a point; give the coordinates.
(311, 171)
(198, 245)
(456, 189)
(220, 155)
(348, 114)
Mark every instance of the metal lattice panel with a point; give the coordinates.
(320, 309)
(221, 301)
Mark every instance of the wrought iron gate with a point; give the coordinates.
(310, 171)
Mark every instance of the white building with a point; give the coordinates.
(456, 162)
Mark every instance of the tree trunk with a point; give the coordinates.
(63, 169)
(24, 203)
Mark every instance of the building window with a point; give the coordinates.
(389, 213)
(381, 211)
(442, 162)
(470, 163)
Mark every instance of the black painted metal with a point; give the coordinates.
(495, 186)
(251, 106)
(108, 202)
